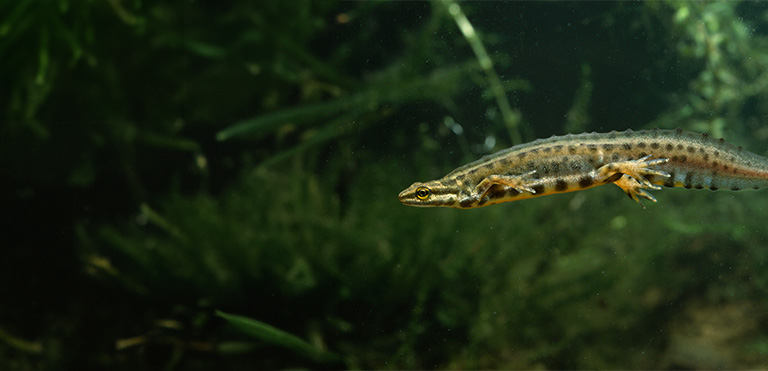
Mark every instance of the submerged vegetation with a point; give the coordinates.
(200, 186)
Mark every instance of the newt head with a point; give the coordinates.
(429, 194)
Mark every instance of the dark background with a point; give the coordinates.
(133, 211)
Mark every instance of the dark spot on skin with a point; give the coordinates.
(626, 146)
(483, 201)
(721, 141)
(613, 178)
(608, 147)
(558, 147)
(561, 185)
(472, 172)
(505, 161)
(682, 158)
(678, 130)
(739, 148)
(489, 166)
(571, 149)
(641, 155)
(641, 145)
(669, 147)
(465, 203)
(534, 151)
(735, 189)
(497, 192)
(679, 146)
(555, 167)
(713, 188)
(706, 157)
(673, 158)
(655, 145)
(691, 149)
(547, 149)
(592, 147)
(460, 177)
(615, 157)
(539, 188)
(725, 167)
(513, 192)
(522, 155)
(756, 187)
(705, 135)
(575, 165)
(701, 149)
(670, 182)
(715, 164)
(699, 186)
(544, 169)
(733, 159)
(688, 182)
(530, 165)
(586, 181)
(717, 153)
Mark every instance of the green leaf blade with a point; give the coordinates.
(272, 335)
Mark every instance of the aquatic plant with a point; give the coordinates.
(200, 186)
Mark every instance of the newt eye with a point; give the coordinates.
(422, 193)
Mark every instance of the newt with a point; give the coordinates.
(636, 161)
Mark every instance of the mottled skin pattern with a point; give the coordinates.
(633, 160)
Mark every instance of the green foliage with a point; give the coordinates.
(364, 108)
(734, 66)
(271, 335)
(381, 284)
(245, 158)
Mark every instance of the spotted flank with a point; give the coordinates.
(636, 161)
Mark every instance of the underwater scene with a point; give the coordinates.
(198, 185)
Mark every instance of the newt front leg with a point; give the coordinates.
(518, 182)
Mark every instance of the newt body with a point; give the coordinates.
(633, 160)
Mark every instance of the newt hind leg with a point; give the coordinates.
(635, 189)
(634, 179)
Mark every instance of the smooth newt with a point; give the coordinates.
(633, 160)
